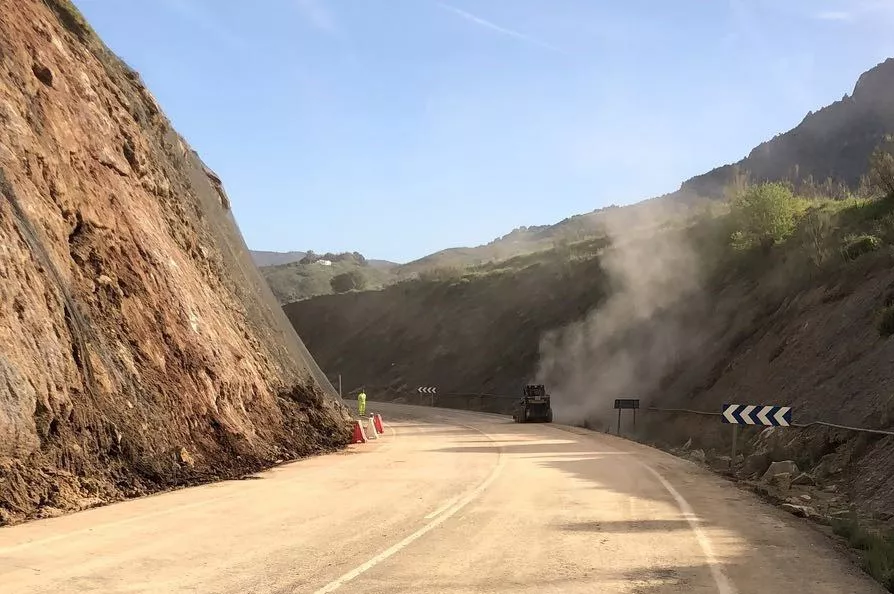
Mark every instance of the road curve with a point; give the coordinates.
(445, 501)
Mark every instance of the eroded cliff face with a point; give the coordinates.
(139, 346)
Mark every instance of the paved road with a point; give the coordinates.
(444, 502)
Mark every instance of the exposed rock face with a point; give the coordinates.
(139, 346)
(835, 141)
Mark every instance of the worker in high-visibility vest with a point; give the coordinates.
(361, 403)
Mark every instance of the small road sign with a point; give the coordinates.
(757, 414)
(627, 403)
(427, 390)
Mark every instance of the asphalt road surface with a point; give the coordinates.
(443, 502)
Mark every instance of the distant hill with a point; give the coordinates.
(829, 149)
(313, 274)
(833, 143)
(827, 152)
(275, 258)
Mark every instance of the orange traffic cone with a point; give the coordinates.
(378, 422)
(359, 433)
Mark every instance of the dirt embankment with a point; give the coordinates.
(465, 337)
(139, 347)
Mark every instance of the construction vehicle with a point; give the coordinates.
(534, 406)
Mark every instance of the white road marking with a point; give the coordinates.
(724, 585)
(440, 519)
(443, 508)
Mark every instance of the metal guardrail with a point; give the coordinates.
(797, 425)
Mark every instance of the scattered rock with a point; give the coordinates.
(756, 464)
(806, 497)
(49, 511)
(186, 458)
(829, 465)
(831, 488)
(786, 467)
(697, 456)
(840, 514)
(802, 511)
(804, 479)
(721, 463)
(88, 502)
(781, 481)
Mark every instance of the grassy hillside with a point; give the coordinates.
(313, 275)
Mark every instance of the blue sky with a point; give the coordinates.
(400, 127)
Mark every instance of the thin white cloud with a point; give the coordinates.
(318, 14)
(834, 15)
(498, 29)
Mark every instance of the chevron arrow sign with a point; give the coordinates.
(757, 414)
(427, 390)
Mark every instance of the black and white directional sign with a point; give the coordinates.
(427, 390)
(756, 414)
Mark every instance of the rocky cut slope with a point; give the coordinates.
(139, 346)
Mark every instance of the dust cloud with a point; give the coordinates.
(644, 329)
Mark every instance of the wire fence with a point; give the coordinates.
(796, 425)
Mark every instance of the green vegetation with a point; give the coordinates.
(857, 245)
(325, 274)
(876, 547)
(352, 280)
(72, 19)
(881, 173)
(764, 215)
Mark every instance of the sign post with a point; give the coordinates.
(626, 403)
(753, 414)
(428, 390)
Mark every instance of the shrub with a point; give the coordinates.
(857, 245)
(817, 229)
(881, 173)
(442, 273)
(348, 281)
(763, 215)
(877, 549)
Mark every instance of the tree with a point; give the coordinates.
(348, 281)
(881, 173)
(763, 215)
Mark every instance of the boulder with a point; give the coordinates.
(802, 511)
(781, 481)
(721, 464)
(756, 464)
(697, 456)
(786, 467)
(804, 479)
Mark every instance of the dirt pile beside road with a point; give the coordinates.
(139, 346)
